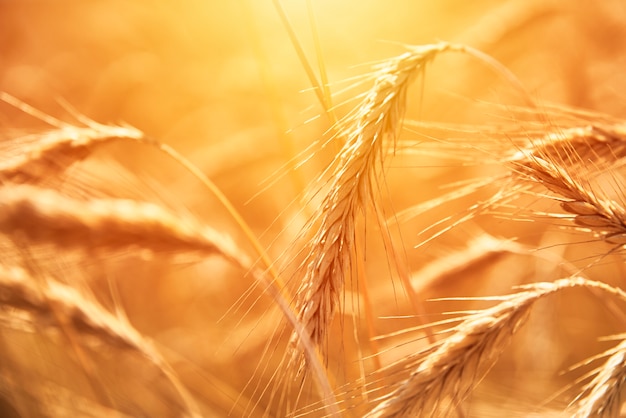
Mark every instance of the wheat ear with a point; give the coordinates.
(561, 163)
(330, 254)
(51, 302)
(602, 144)
(452, 369)
(376, 121)
(36, 158)
(602, 396)
(48, 217)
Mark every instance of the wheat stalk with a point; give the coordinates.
(21, 291)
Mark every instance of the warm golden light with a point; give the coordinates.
(311, 208)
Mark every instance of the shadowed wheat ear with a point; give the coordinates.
(602, 396)
(449, 371)
(330, 256)
(579, 165)
(55, 304)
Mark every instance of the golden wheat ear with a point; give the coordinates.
(352, 187)
(602, 396)
(37, 158)
(448, 372)
(330, 254)
(581, 167)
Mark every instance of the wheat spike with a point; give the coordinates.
(376, 121)
(36, 158)
(602, 396)
(447, 375)
(452, 369)
(602, 144)
(20, 291)
(48, 217)
(569, 164)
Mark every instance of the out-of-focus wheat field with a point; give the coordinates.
(221, 82)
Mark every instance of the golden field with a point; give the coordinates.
(312, 208)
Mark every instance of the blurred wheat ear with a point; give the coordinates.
(50, 302)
